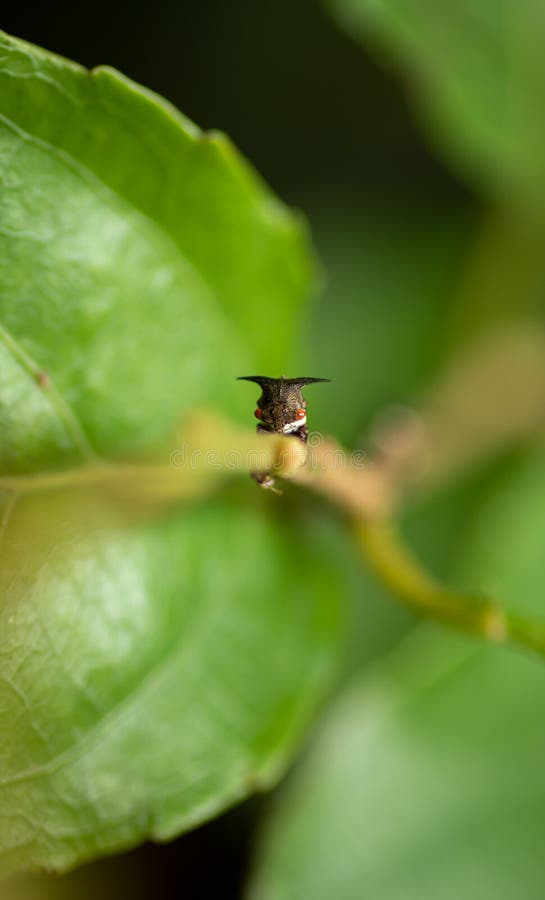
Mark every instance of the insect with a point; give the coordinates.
(281, 409)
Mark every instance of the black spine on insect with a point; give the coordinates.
(281, 409)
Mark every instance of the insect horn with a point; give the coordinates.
(299, 382)
(261, 380)
(264, 380)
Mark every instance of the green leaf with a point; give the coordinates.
(151, 674)
(427, 780)
(154, 667)
(478, 73)
(430, 792)
(143, 265)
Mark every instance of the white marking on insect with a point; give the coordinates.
(294, 426)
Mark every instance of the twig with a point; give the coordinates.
(397, 567)
(369, 496)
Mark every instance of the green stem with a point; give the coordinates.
(398, 569)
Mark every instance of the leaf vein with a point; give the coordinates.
(61, 408)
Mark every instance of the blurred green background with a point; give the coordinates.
(411, 135)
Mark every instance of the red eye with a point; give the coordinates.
(258, 413)
(300, 414)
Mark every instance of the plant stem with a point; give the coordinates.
(397, 567)
(364, 494)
